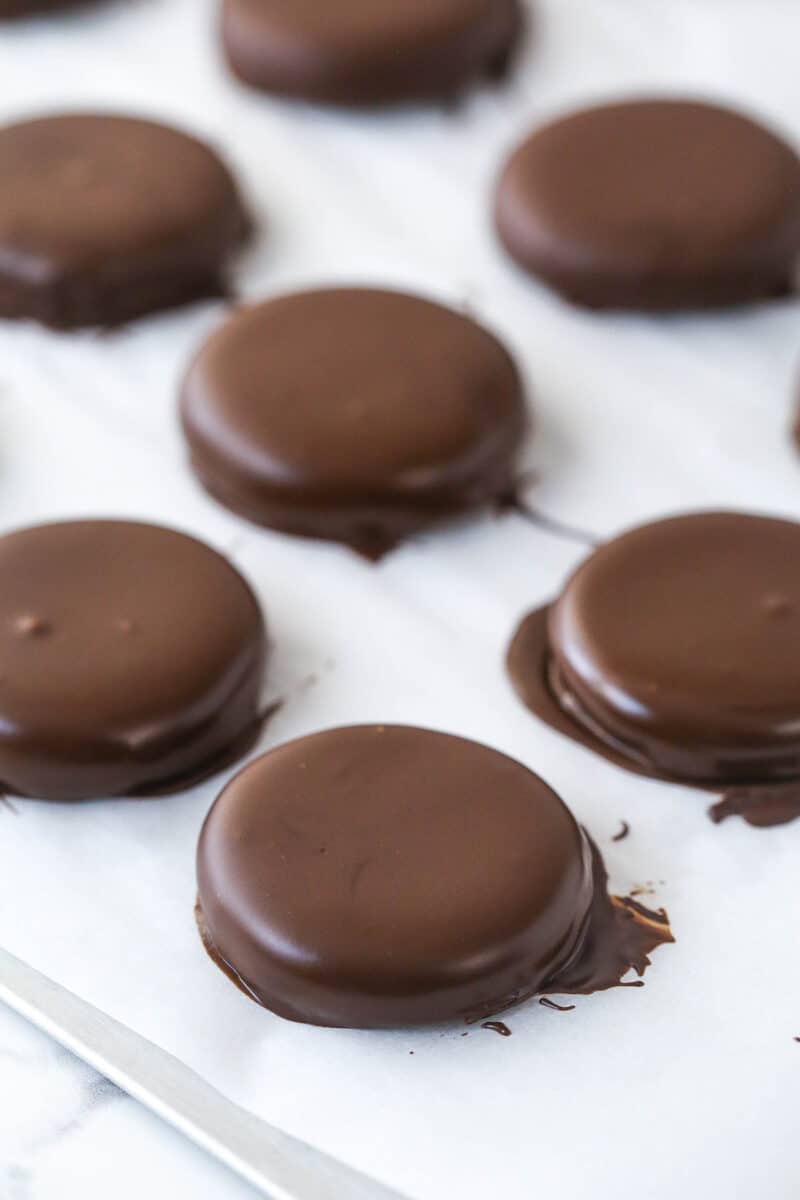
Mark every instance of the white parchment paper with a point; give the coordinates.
(687, 1088)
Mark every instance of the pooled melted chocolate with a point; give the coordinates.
(759, 806)
(620, 936)
(529, 667)
(674, 651)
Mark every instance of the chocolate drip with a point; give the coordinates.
(761, 807)
(623, 833)
(620, 936)
(497, 1027)
(513, 502)
(527, 663)
(546, 1002)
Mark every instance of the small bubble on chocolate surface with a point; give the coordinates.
(29, 625)
(776, 605)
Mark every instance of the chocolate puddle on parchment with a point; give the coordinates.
(619, 935)
(528, 665)
(777, 804)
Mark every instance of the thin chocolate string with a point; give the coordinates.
(550, 525)
(513, 502)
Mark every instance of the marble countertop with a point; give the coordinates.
(65, 1132)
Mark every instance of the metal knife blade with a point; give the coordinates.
(280, 1166)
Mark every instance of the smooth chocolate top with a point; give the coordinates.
(381, 876)
(146, 216)
(678, 644)
(654, 204)
(131, 660)
(353, 414)
(352, 53)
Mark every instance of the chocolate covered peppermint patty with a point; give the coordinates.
(131, 661)
(654, 204)
(105, 217)
(379, 876)
(675, 650)
(346, 52)
(352, 414)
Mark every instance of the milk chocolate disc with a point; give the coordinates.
(381, 876)
(676, 647)
(131, 660)
(146, 217)
(654, 204)
(355, 415)
(351, 53)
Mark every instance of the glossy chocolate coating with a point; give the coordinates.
(355, 415)
(350, 53)
(678, 645)
(654, 204)
(131, 660)
(146, 218)
(381, 876)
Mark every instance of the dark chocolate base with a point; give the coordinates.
(371, 530)
(123, 292)
(438, 75)
(12, 10)
(619, 935)
(145, 781)
(653, 295)
(530, 669)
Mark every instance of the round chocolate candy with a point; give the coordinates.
(654, 204)
(676, 648)
(131, 661)
(346, 52)
(355, 415)
(147, 218)
(380, 876)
